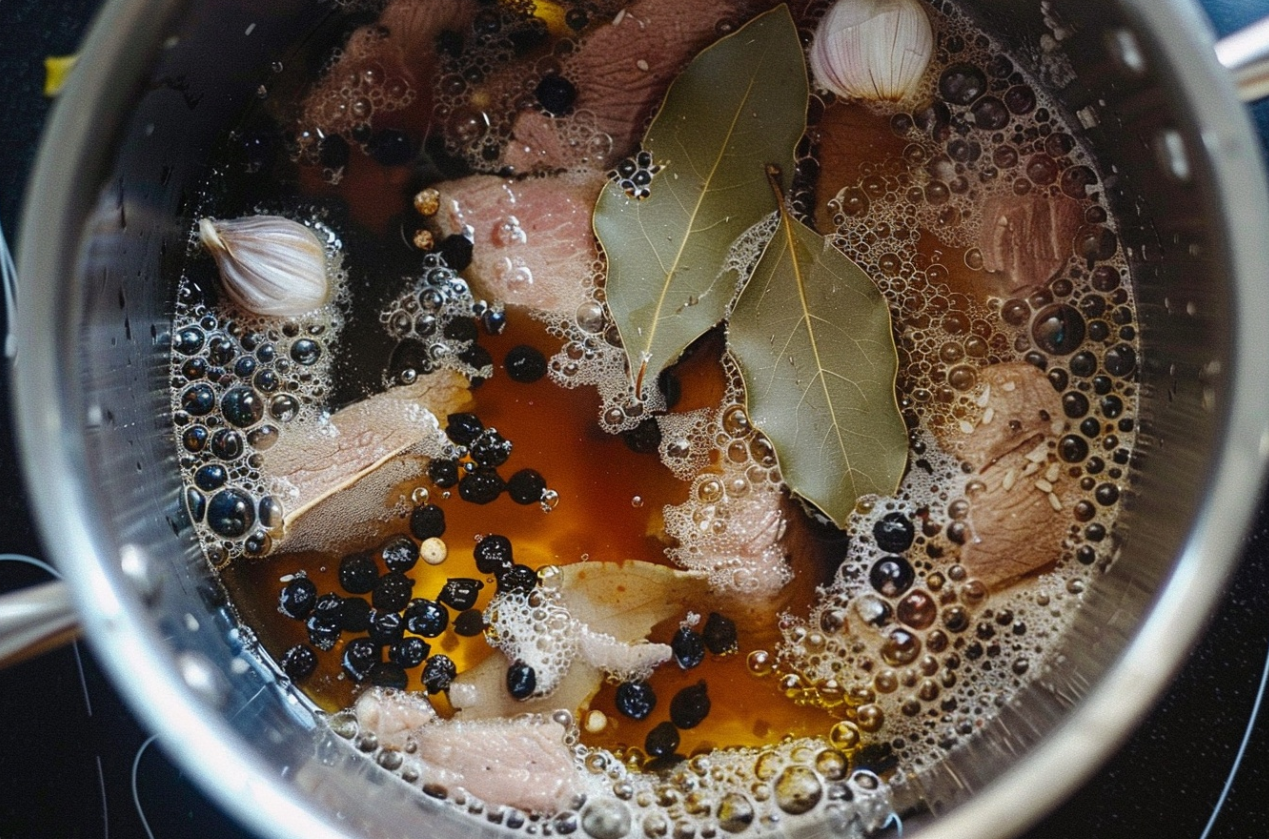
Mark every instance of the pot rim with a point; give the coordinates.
(94, 106)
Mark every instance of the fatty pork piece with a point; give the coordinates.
(384, 66)
(368, 446)
(739, 546)
(1020, 517)
(532, 242)
(393, 715)
(1026, 239)
(621, 71)
(522, 763)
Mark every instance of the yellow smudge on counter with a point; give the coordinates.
(56, 70)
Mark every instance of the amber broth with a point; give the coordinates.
(610, 500)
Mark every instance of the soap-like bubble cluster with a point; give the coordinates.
(592, 355)
(533, 628)
(732, 523)
(237, 381)
(360, 82)
(432, 322)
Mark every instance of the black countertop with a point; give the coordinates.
(75, 763)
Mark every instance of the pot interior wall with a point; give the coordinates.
(114, 342)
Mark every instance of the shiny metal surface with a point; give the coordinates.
(104, 220)
(1246, 55)
(34, 620)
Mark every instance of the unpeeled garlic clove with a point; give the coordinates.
(269, 265)
(872, 49)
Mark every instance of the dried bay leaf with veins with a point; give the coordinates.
(738, 107)
(812, 336)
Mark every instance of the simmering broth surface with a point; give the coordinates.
(831, 657)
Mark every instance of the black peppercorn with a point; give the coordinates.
(456, 249)
(297, 598)
(490, 448)
(299, 662)
(662, 740)
(720, 634)
(526, 486)
(481, 487)
(493, 555)
(555, 94)
(463, 428)
(636, 700)
(688, 647)
(469, 624)
(425, 617)
(521, 680)
(443, 472)
(359, 656)
(524, 364)
(355, 616)
(392, 592)
(438, 673)
(426, 522)
(409, 652)
(358, 573)
(690, 706)
(460, 592)
(518, 578)
(400, 553)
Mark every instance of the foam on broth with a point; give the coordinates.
(843, 673)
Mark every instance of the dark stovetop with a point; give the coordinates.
(75, 763)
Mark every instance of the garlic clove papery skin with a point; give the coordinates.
(269, 265)
(872, 49)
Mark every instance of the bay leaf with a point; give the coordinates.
(811, 334)
(738, 107)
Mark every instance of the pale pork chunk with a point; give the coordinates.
(315, 458)
(1020, 407)
(522, 763)
(1026, 239)
(393, 716)
(621, 72)
(1017, 522)
(532, 243)
(384, 66)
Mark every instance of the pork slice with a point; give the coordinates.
(314, 459)
(532, 242)
(393, 715)
(1026, 239)
(383, 66)
(1018, 520)
(1020, 408)
(521, 763)
(621, 71)
(1017, 523)
(746, 559)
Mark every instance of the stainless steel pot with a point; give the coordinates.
(160, 79)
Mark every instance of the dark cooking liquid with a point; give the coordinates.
(912, 186)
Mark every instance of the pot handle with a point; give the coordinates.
(34, 620)
(1245, 54)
